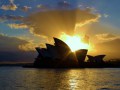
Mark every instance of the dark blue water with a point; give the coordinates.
(18, 78)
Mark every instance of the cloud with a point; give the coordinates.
(10, 43)
(102, 39)
(110, 48)
(10, 50)
(4, 18)
(25, 26)
(54, 22)
(31, 46)
(25, 8)
(18, 26)
(98, 28)
(11, 1)
(13, 17)
(64, 4)
(16, 44)
(40, 6)
(106, 37)
(105, 43)
(106, 15)
(11, 6)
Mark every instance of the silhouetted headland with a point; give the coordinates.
(60, 55)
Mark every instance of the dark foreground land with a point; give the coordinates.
(15, 64)
(108, 64)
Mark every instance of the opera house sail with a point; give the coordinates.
(59, 55)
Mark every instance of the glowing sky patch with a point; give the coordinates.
(74, 42)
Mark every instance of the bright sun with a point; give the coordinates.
(74, 42)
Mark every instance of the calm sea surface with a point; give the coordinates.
(18, 78)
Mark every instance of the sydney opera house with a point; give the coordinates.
(59, 55)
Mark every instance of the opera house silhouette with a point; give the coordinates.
(60, 55)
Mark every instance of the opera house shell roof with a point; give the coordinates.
(59, 55)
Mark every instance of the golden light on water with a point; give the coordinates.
(74, 42)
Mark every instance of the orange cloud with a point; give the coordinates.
(110, 48)
(106, 37)
(30, 46)
(11, 6)
(54, 22)
(18, 26)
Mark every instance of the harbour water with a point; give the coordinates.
(18, 78)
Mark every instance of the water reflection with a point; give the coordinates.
(78, 79)
(59, 79)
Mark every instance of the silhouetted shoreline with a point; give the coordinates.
(108, 64)
(15, 64)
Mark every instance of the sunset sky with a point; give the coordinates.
(26, 24)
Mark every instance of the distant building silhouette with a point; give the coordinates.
(96, 59)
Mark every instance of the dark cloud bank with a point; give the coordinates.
(9, 50)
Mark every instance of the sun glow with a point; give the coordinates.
(74, 42)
